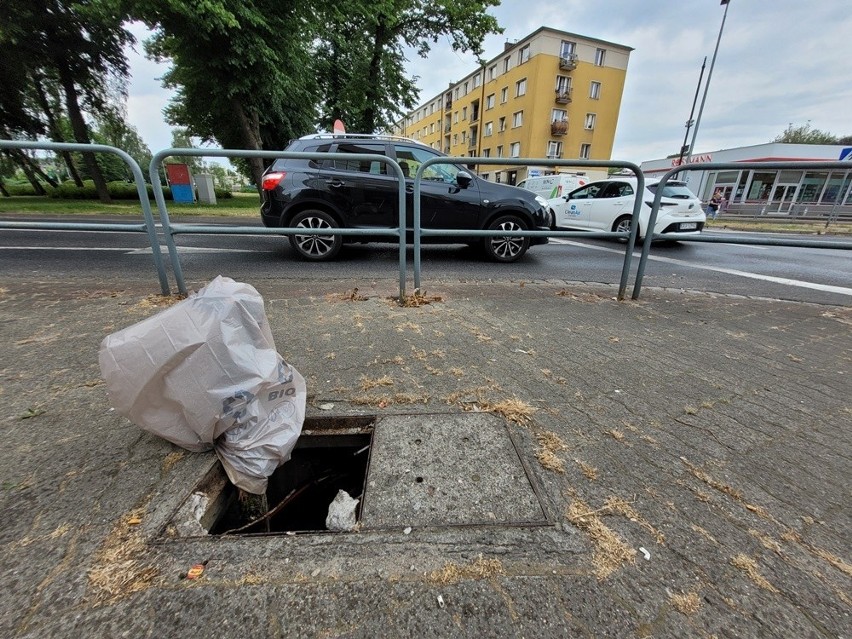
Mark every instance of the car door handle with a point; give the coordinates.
(409, 188)
(334, 182)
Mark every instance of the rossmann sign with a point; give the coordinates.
(695, 159)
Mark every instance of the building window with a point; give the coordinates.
(554, 149)
(456, 117)
(563, 84)
(566, 49)
(497, 175)
(504, 95)
(590, 121)
(499, 155)
(464, 89)
(595, 90)
(455, 138)
(517, 119)
(464, 113)
(515, 150)
(524, 54)
(485, 175)
(585, 151)
(501, 125)
(520, 88)
(600, 57)
(486, 153)
(489, 101)
(489, 129)
(456, 93)
(477, 80)
(464, 137)
(492, 72)
(506, 64)
(559, 115)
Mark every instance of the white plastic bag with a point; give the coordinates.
(205, 372)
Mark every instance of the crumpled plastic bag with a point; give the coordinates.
(205, 373)
(341, 512)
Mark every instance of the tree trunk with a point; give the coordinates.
(250, 129)
(81, 134)
(20, 159)
(56, 132)
(372, 88)
(37, 170)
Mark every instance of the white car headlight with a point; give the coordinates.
(541, 201)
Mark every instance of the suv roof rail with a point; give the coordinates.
(371, 136)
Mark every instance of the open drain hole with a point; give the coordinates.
(332, 454)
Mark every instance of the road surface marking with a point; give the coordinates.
(730, 271)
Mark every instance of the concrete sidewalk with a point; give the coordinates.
(673, 467)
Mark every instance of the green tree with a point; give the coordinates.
(241, 69)
(805, 134)
(78, 44)
(361, 59)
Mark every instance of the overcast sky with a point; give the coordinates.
(779, 62)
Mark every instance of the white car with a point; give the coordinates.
(607, 205)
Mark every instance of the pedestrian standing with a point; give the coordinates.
(714, 204)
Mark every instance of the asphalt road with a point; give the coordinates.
(811, 275)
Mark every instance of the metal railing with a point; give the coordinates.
(631, 236)
(756, 241)
(141, 189)
(170, 230)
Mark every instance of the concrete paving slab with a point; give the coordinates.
(447, 470)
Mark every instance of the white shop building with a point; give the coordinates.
(771, 191)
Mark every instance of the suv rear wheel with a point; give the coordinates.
(506, 248)
(315, 248)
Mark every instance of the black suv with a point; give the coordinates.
(341, 193)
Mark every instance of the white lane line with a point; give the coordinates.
(194, 249)
(729, 271)
(131, 251)
(60, 248)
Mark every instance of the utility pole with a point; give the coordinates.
(707, 86)
(685, 147)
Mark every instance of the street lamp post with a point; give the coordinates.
(707, 86)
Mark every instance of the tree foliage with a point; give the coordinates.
(67, 48)
(805, 134)
(360, 59)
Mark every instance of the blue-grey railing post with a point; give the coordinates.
(702, 237)
(173, 229)
(141, 190)
(634, 221)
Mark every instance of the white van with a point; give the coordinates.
(551, 186)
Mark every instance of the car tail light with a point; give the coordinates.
(271, 180)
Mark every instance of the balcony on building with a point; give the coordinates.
(568, 61)
(563, 96)
(559, 127)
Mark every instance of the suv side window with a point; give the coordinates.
(360, 166)
(282, 164)
(617, 189)
(586, 193)
(410, 158)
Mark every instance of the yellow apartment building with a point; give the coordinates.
(552, 94)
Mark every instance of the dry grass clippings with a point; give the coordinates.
(549, 445)
(453, 573)
(609, 551)
(159, 301)
(369, 383)
(688, 604)
(172, 459)
(354, 296)
(589, 471)
(417, 299)
(117, 569)
(616, 434)
(749, 567)
(514, 410)
(626, 509)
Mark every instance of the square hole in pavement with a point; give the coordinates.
(331, 454)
